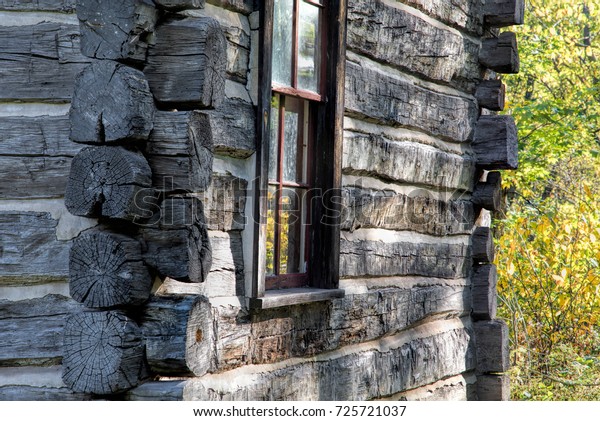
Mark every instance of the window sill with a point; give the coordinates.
(294, 296)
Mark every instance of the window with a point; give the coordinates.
(301, 86)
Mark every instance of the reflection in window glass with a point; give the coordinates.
(271, 231)
(308, 48)
(290, 146)
(283, 36)
(292, 238)
(273, 139)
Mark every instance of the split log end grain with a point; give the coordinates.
(103, 353)
(106, 270)
(116, 29)
(187, 63)
(110, 181)
(111, 103)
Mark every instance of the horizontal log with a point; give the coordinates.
(179, 4)
(175, 240)
(30, 252)
(111, 103)
(39, 62)
(225, 203)
(375, 258)
(241, 6)
(46, 136)
(491, 94)
(42, 168)
(112, 182)
(500, 13)
(186, 63)
(33, 393)
(226, 277)
(375, 155)
(484, 295)
(482, 243)
(387, 99)
(106, 270)
(417, 211)
(31, 331)
(116, 29)
(164, 390)
(410, 362)
(232, 128)
(457, 388)
(103, 353)
(462, 14)
(488, 194)
(177, 331)
(491, 338)
(65, 6)
(492, 387)
(496, 143)
(385, 33)
(500, 54)
(180, 152)
(33, 177)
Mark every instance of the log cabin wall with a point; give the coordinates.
(421, 150)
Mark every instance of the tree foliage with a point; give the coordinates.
(549, 239)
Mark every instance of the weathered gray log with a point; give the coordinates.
(111, 102)
(33, 393)
(39, 62)
(462, 14)
(493, 387)
(178, 333)
(376, 155)
(106, 270)
(225, 201)
(42, 168)
(495, 142)
(175, 240)
(500, 13)
(482, 243)
(66, 6)
(491, 94)
(241, 6)
(491, 339)
(31, 331)
(488, 194)
(484, 295)
(104, 353)
(29, 251)
(166, 390)
(410, 361)
(397, 102)
(110, 181)
(456, 389)
(186, 63)
(232, 128)
(46, 136)
(417, 211)
(180, 152)
(175, 5)
(391, 35)
(500, 54)
(375, 258)
(116, 29)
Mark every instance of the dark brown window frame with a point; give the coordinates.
(323, 274)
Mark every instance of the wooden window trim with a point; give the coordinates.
(324, 267)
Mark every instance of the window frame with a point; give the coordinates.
(323, 271)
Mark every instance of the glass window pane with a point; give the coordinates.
(290, 142)
(274, 138)
(283, 36)
(292, 226)
(271, 231)
(309, 48)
